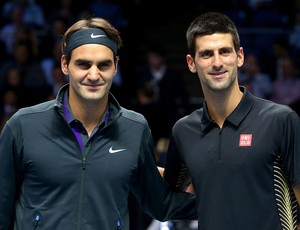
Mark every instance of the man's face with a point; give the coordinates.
(216, 61)
(91, 71)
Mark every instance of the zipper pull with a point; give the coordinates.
(37, 220)
(83, 163)
(118, 224)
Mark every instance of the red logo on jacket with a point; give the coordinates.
(245, 140)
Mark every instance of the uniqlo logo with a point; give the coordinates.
(245, 140)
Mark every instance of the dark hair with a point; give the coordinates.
(209, 23)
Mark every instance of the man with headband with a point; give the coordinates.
(71, 163)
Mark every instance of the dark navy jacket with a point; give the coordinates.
(47, 182)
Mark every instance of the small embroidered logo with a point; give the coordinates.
(111, 150)
(245, 140)
(97, 35)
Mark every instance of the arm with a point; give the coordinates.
(297, 194)
(292, 148)
(7, 179)
(155, 195)
(175, 172)
(190, 187)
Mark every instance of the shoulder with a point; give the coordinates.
(25, 119)
(274, 114)
(133, 115)
(134, 122)
(36, 108)
(190, 119)
(32, 110)
(271, 108)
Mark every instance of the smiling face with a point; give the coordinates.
(216, 62)
(91, 71)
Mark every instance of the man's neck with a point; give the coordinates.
(220, 106)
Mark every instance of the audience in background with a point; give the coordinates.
(66, 9)
(29, 71)
(162, 95)
(34, 82)
(251, 76)
(49, 62)
(286, 89)
(109, 9)
(162, 98)
(33, 13)
(12, 26)
(294, 39)
(11, 94)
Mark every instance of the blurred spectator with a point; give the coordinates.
(162, 95)
(254, 4)
(59, 79)
(109, 10)
(271, 59)
(11, 95)
(162, 98)
(51, 37)
(13, 81)
(117, 87)
(34, 82)
(294, 36)
(257, 82)
(265, 14)
(48, 63)
(13, 24)
(9, 100)
(10, 103)
(294, 39)
(32, 12)
(286, 90)
(66, 9)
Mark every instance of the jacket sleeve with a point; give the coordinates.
(175, 172)
(290, 147)
(153, 193)
(8, 181)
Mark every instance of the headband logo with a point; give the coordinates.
(97, 36)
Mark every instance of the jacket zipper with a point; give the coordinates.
(81, 192)
(83, 163)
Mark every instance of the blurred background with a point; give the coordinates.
(153, 77)
(30, 33)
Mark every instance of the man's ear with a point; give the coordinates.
(64, 65)
(191, 63)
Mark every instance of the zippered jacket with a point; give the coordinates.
(47, 182)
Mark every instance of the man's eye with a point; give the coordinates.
(84, 65)
(105, 65)
(225, 51)
(206, 54)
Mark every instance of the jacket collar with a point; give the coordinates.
(237, 116)
(115, 108)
